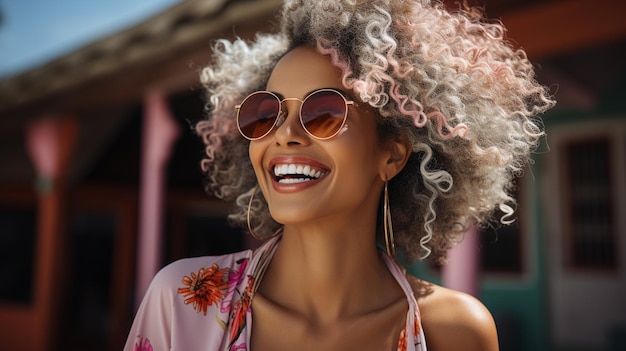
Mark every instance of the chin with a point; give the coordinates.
(292, 215)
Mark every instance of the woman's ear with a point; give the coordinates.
(398, 154)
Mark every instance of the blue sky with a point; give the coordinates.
(34, 32)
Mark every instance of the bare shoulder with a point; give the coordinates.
(453, 320)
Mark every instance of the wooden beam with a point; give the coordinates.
(560, 27)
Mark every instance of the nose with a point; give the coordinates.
(289, 130)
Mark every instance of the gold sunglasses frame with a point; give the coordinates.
(281, 112)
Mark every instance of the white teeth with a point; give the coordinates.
(294, 180)
(281, 170)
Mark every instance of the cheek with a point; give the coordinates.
(359, 156)
(255, 152)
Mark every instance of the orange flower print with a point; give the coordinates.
(402, 344)
(417, 328)
(240, 308)
(205, 288)
(416, 325)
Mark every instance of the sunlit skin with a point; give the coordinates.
(327, 287)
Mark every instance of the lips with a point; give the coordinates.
(296, 171)
(289, 173)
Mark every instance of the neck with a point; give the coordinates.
(329, 274)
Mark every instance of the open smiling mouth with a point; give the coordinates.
(296, 173)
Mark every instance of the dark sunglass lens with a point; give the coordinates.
(258, 114)
(323, 113)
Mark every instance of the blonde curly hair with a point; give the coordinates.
(446, 81)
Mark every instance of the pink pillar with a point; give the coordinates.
(42, 141)
(461, 272)
(159, 133)
(49, 143)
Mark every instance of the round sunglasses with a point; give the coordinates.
(322, 113)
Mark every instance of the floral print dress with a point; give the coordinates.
(204, 304)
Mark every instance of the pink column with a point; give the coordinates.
(461, 272)
(159, 133)
(49, 143)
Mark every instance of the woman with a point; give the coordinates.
(369, 127)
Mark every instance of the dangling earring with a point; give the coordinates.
(387, 225)
(254, 235)
(256, 188)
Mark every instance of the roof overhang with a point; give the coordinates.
(166, 51)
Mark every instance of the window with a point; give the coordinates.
(198, 227)
(88, 313)
(588, 204)
(17, 247)
(501, 245)
(211, 236)
(501, 249)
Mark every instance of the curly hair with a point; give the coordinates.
(446, 81)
